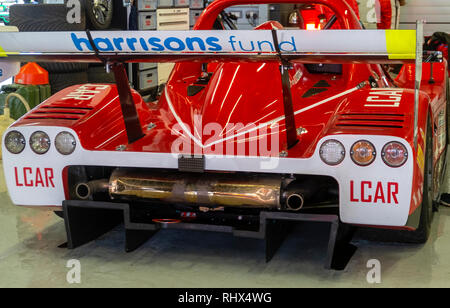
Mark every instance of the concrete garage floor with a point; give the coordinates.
(30, 257)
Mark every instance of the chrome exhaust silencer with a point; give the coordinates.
(219, 189)
(206, 189)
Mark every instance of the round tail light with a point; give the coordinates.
(394, 154)
(363, 153)
(65, 143)
(332, 152)
(14, 142)
(40, 142)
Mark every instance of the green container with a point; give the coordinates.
(34, 95)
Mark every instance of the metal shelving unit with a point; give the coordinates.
(162, 15)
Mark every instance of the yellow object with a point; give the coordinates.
(401, 44)
(420, 158)
(5, 119)
(2, 52)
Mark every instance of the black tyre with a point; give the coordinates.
(59, 82)
(47, 17)
(99, 13)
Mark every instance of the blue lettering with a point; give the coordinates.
(143, 44)
(260, 43)
(231, 41)
(118, 43)
(170, 40)
(154, 42)
(242, 48)
(78, 41)
(294, 48)
(107, 44)
(191, 40)
(212, 41)
(131, 42)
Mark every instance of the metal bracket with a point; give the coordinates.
(87, 220)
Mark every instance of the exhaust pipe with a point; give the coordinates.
(295, 202)
(84, 191)
(213, 189)
(302, 190)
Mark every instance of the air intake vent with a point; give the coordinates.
(375, 120)
(59, 113)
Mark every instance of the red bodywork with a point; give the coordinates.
(250, 93)
(386, 11)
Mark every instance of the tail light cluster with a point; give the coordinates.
(40, 142)
(394, 154)
(363, 153)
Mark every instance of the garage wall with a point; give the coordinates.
(435, 12)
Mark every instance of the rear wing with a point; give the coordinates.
(374, 46)
(285, 46)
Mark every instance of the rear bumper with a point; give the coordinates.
(374, 195)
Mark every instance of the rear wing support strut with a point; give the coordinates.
(129, 112)
(289, 116)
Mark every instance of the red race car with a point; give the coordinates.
(253, 129)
